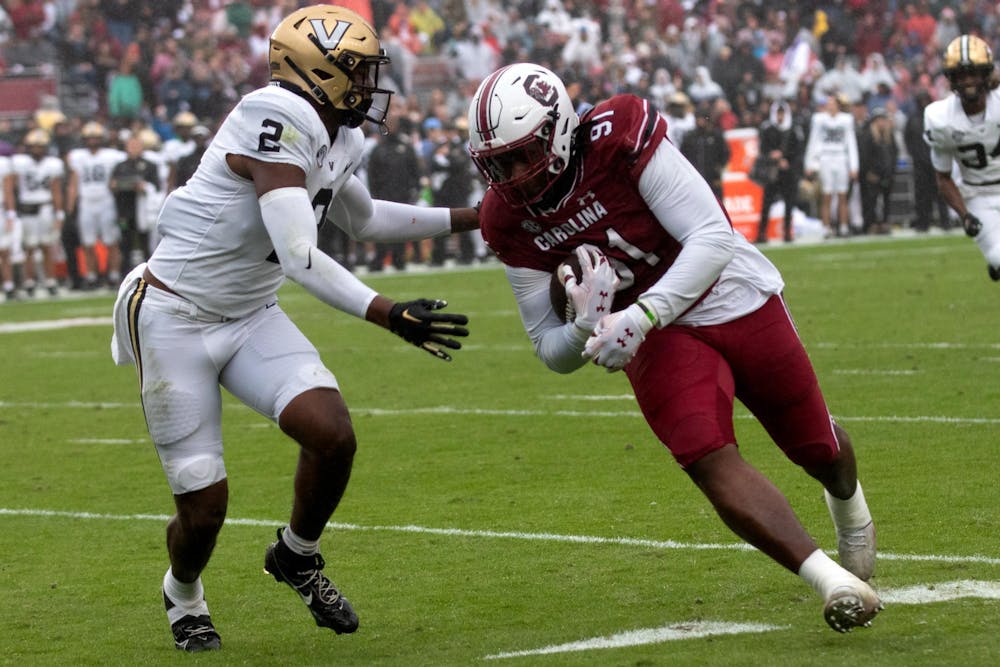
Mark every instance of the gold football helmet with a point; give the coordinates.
(968, 54)
(93, 130)
(332, 56)
(37, 137)
(185, 119)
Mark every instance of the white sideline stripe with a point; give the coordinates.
(107, 441)
(645, 636)
(47, 325)
(911, 346)
(511, 535)
(872, 371)
(942, 592)
(490, 412)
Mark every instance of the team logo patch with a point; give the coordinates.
(531, 226)
(321, 155)
(540, 90)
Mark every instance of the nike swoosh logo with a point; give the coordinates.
(273, 303)
(310, 262)
(307, 598)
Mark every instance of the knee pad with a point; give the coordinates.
(193, 472)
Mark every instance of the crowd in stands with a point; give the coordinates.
(133, 65)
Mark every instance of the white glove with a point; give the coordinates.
(618, 337)
(590, 298)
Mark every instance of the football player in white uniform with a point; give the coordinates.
(179, 145)
(38, 196)
(832, 153)
(10, 231)
(204, 312)
(90, 196)
(963, 129)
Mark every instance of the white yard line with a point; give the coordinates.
(490, 534)
(910, 595)
(48, 325)
(497, 412)
(645, 636)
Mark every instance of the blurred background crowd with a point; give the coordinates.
(161, 69)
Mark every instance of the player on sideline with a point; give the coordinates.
(964, 128)
(698, 317)
(203, 312)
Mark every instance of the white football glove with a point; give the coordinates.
(591, 297)
(618, 337)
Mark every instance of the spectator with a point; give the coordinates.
(394, 172)
(783, 140)
(877, 156)
(450, 171)
(705, 147)
(926, 198)
(428, 25)
(125, 98)
(703, 88)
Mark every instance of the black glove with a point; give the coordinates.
(971, 224)
(417, 323)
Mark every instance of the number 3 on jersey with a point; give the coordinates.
(321, 201)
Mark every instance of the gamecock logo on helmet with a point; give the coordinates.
(540, 90)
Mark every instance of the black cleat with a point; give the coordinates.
(194, 633)
(304, 574)
(994, 272)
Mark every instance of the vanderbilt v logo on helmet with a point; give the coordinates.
(332, 56)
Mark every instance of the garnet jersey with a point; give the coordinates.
(974, 145)
(34, 177)
(605, 208)
(215, 250)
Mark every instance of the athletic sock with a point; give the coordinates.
(851, 513)
(824, 575)
(298, 545)
(187, 599)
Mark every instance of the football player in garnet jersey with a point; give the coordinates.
(697, 319)
(964, 128)
(203, 312)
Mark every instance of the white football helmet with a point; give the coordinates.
(523, 115)
(332, 55)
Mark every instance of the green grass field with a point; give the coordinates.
(498, 508)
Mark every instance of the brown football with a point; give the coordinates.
(557, 290)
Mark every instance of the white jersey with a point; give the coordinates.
(215, 250)
(176, 148)
(34, 177)
(971, 145)
(831, 138)
(93, 171)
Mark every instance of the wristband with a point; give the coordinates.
(649, 313)
(60, 215)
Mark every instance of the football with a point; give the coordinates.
(557, 289)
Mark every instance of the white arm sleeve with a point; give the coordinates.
(367, 219)
(291, 223)
(686, 207)
(558, 345)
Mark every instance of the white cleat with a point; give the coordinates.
(851, 606)
(856, 550)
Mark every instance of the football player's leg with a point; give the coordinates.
(685, 389)
(278, 372)
(776, 382)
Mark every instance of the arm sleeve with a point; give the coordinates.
(367, 219)
(291, 223)
(686, 207)
(558, 345)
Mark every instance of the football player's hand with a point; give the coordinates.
(618, 337)
(417, 322)
(971, 224)
(591, 297)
